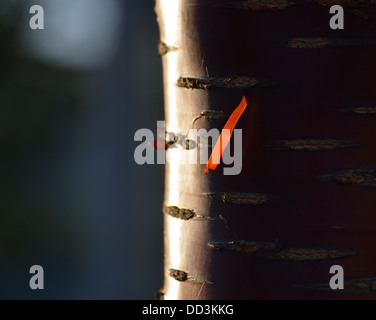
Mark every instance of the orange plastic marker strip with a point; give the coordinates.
(225, 136)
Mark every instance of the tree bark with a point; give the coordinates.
(305, 198)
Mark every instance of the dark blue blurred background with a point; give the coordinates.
(72, 198)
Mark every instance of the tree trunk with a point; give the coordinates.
(305, 198)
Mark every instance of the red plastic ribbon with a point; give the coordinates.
(225, 136)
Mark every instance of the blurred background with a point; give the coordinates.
(73, 200)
